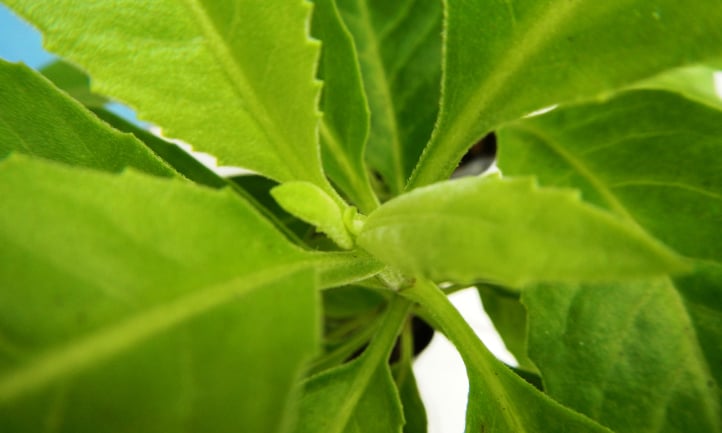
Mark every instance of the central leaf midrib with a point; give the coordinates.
(90, 350)
(240, 84)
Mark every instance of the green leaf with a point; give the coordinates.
(414, 410)
(74, 82)
(511, 232)
(126, 301)
(625, 154)
(345, 124)
(605, 150)
(701, 291)
(694, 82)
(171, 153)
(399, 49)
(37, 119)
(509, 318)
(234, 78)
(625, 355)
(359, 396)
(506, 59)
(499, 400)
(312, 205)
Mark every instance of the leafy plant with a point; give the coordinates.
(142, 292)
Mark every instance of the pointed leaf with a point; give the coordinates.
(625, 355)
(126, 300)
(312, 205)
(651, 155)
(234, 78)
(74, 82)
(399, 49)
(509, 318)
(494, 230)
(505, 59)
(171, 153)
(38, 119)
(359, 396)
(499, 400)
(345, 124)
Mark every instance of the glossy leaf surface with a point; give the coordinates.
(345, 124)
(37, 119)
(494, 230)
(506, 59)
(399, 49)
(128, 300)
(234, 78)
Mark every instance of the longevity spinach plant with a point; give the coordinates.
(140, 292)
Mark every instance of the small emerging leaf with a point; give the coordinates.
(312, 205)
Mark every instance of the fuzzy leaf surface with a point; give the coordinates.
(505, 59)
(653, 157)
(399, 49)
(126, 301)
(38, 119)
(493, 230)
(345, 125)
(232, 77)
(626, 355)
(650, 155)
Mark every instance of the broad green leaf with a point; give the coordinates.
(399, 49)
(345, 124)
(499, 400)
(312, 205)
(359, 396)
(39, 120)
(128, 301)
(511, 232)
(74, 82)
(653, 156)
(506, 59)
(626, 355)
(509, 318)
(234, 77)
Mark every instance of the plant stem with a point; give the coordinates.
(443, 313)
